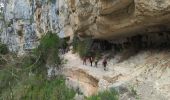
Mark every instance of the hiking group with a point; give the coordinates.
(95, 61)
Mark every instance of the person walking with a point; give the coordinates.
(105, 63)
(91, 61)
(96, 62)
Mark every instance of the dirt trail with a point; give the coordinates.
(148, 73)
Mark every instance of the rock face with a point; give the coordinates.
(23, 22)
(110, 19)
(144, 75)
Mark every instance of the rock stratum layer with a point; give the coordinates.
(23, 22)
(110, 19)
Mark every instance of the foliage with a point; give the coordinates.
(105, 95)
(52, 1)
(33, 87)
(134, 92)
(2, 61)
(83, 48)
(20, 33)
(18, 83)
(63, 43)
(98, 54)
(49, 45)
(47, 52)
(75, 43)
(3, 49)
(25, 78)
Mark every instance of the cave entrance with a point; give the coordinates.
(159, 41)
(130, 46)
(101, 45)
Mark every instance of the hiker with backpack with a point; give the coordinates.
(105, 63)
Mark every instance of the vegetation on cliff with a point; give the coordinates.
(25, 78)
(3, 49)
(82, 47)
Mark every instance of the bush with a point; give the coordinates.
(63, 44)
(75, 43)
(52, 1)
(47, 53)
(19, 83)
(3, 49)
(25, 78)
(2, 61)
(83, 48)
(36, 88)
(105, 95)
(46, 90)
(98, 54)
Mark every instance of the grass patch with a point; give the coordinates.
(36, 88)
(105, 95)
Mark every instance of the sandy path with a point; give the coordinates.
(137, 71)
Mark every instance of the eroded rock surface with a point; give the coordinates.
(111, 19)
(81, 81)
(23, 22)
(144, 76)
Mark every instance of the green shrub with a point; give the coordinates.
(2, 61)
(20, 33)
(48, 53)
(98, 54)
(105, 95)
(18, 83)
(25, 78)
(83, 48)
(36, 88)
(75, 43)
(52, 1)
(3, 49)
(63, 43)
(47, 90)
(49, 46)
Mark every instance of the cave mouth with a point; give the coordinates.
(131, 46)
(157, 41)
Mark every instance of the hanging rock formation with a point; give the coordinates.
(110, 19)
(25, 21)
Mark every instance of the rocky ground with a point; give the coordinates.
(144, 76)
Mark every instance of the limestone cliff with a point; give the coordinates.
(118, 18)
(23, 22)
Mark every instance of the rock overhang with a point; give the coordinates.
(109, 19)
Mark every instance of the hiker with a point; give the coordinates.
(96, 62)
(91, 60)
(84, 60)
(104, 64)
